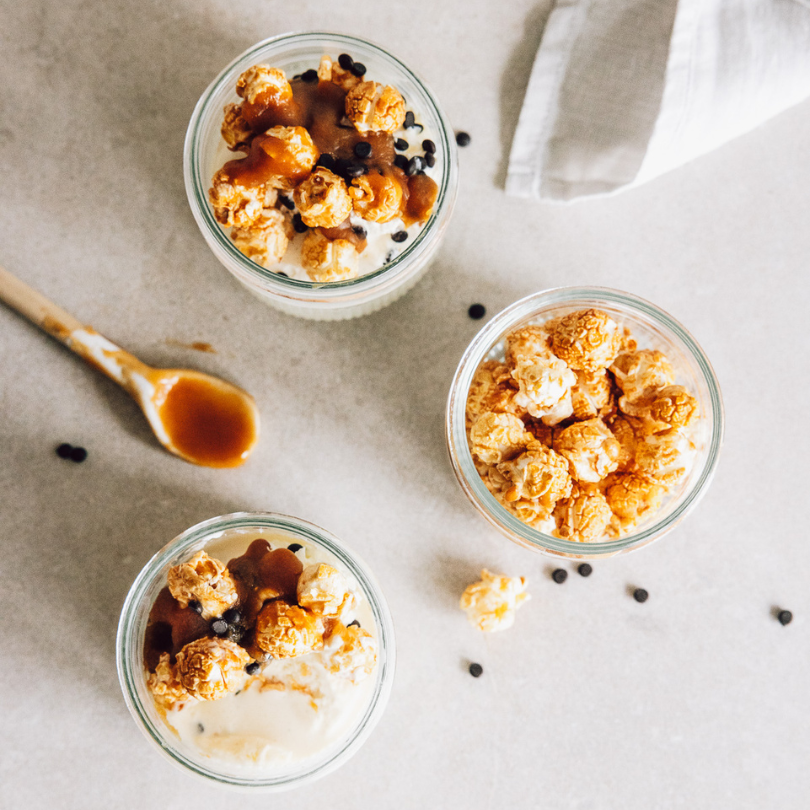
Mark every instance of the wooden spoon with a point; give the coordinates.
(200, 418)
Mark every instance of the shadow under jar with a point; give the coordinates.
(287, 721)
(400, 266)
(652, 329)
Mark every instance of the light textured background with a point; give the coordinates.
(697, 699)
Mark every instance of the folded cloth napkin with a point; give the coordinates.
(624, 90)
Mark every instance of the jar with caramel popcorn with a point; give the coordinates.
(584, 422)
(322, 173)
(256, 650)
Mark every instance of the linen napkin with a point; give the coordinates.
(622, 91)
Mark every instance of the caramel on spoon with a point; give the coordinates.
(200, 418)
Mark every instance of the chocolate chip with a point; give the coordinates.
(253, 667)
(362, 149)
(428, 145)
(585, 569)
(401, 162)
(784, 617)
(430, 159)
(345, 61)
(640, 595)
(559, 575)
(219, 626)
(64, 450)
(400, 144)
(232, 616)
(327, 161)
(400, 236)
(310, 76)
(477, 311)
(415, 165)
(297, 76)
(286, 202)
(355, 623)
(463, 138)
(78, 454)
(298, 224)
(195, 606)
(235, 633)
(359, 231)
(294, 547)
(389, 257)
(200, 728)
(476, 670)
(356, 170)
(281, 273)
(409, 120)
(358, 68)
(342, 167)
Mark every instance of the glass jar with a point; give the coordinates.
(135, 615)
(205, 152)
(653, 329)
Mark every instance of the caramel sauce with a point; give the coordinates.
(170, 628)
(422, 194)
(208, 424)
(345, 231)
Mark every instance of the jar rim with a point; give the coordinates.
(196, 187)
(130, 664)
(456, 435)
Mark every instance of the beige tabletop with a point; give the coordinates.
(697, 699)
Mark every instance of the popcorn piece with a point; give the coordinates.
(373, 107)
(530, 512)
(632, 498)
(205, 580)
(545, 388)
(234, 203)
(286, 631)
(165, 685)
(210, 668)
(235, 129)
(623, 431)
(262, 84)
(539, 474)
(323, 200)
(491, 604)
(324, 590)
(587, 340)
(664, 457)
(265, 240)
(591, 395)
(290, 155)
(664, 408)
(350, 652)
(376, 197)
(584, 516)
(591, 449)
(637, 373)
(526, 344)
(329, 71)
(328, 259)
(496, 437)
(490, 392)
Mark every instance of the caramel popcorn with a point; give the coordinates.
(205, 580)
(376, 197)
(491, 604)
(637, 373)
(584, 516)
(525, 344)
(496, 437)
(590, 448)
(263, 83)
(210, 668)
(165, 685)
(545, 388)
(372, 107)
(539, 474)
(322, 199)
(632, 498)
(266, 239)
(286, 631)
(664, 457)
(328, 259)
(490, 392)
(591, 394)
(235, 204)
(291, 156)
(587, 340)
(324, 590)
(236, 131)
(623, 431)
(350, 652)
(664, 408)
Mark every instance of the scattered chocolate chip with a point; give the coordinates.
(327, 161)
(430, 159)
(559, 575)
(428, 145)
(362, 149)
(360, 232)
(400, 144)
(253, 667)
(784, 617)
(64, 450)
(219, 626)
(286, 202)
(356, 170)
(355, 623)
(400, 236)
(195, 606)
(463, 138)
(294, 547)
(345, 61)
(200, 728)
(415, 164)
(477, 311)
(476, 670)
(640, 595)
(585, 569)
(232, 616)
(358, 68)
(409, 120)
(310, 75)
(401, 162)
(298, 224)
(78, 454)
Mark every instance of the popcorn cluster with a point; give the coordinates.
(579, 433)
(226, 621)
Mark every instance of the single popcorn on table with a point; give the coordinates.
(664, 457)
(263, 83)
(165, 685)
(373, 107)
(586, 340)
(210, 668)
(545, 388)
(266, 239)
(664, 408)
(584, 516)
(490, 391)
(590, 448)
(350, 652)
(322, 199)
(491, 603)
(538, 474)
(205, 580)
(496, 437)
(324, 590)
(286, 631)
(526, 343)
(376, 197)
(637, 373)
(327, 259)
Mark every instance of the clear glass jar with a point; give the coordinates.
(205, 153)
(132, 627)
(653, 329)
